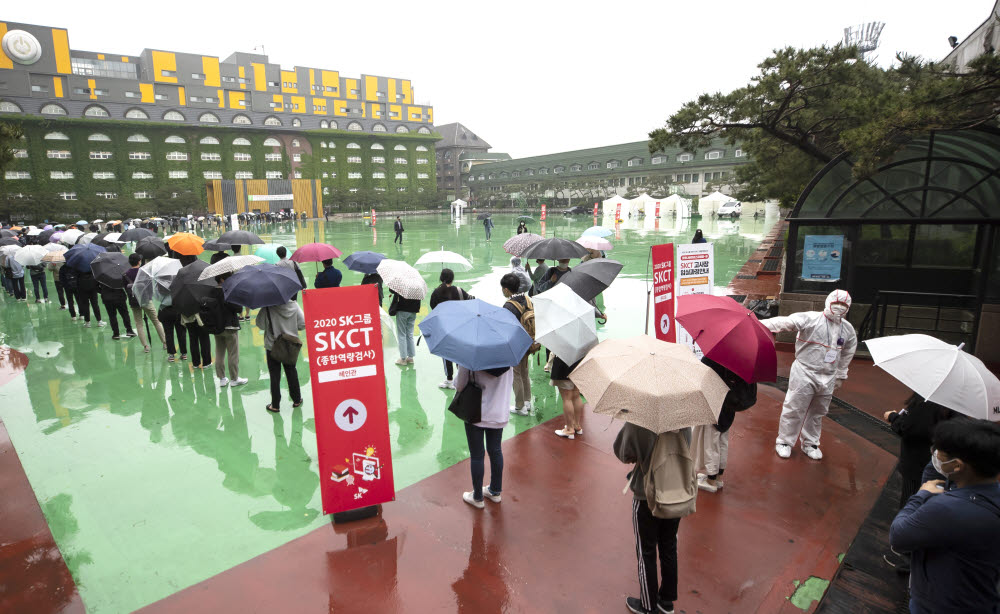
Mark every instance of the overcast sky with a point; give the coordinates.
(529, 77)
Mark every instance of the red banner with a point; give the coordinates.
(595, 209)
(373, 216)
(657, 210)
(618, 212)
(663, 292)
(543, 213)
(344, 337)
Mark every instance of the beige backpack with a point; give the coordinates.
(671, 484)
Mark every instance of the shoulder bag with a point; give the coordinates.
(468, 403)
(285, 348)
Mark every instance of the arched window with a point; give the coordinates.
(242, 120)
(56, 136)
(324, 124)
(53, 109)
(296, 122)
(354, 126)
(272, 142)
(333, 125)
(353, 146)
(322, 144)
(332, 145)
(10, 107)
(377, 146)
(96, 111)
(137, 138)
(208, 118)
(295, 143)
(402, 129)
(136, 114)
(272, 121)
(173, 139)
(208, 140)
(379, 128)
(241, 142)
(685, 157)
(97, 136)
(399, 148)
(423, 130)
(421, 148)
(173, 116)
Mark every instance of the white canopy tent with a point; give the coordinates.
(678, 203)
(458, 207)
(711, 203)
(645, 204)
(610, 206)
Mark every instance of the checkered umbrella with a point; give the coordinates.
(516, 245)
(402, 279)
(230, 264)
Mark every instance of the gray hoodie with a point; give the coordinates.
(285, 319)
(635, 444)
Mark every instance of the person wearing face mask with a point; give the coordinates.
(951, 528)
(824, 346)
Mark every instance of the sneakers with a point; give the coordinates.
(64, 307)
(116, 337)
(703, 484)
(813, 452)
(488, 494)
(239, 381)
(145, 349)
(224, 382)
(524, 411)
(783, 450)
(101, 323)
(131, 333)
(471, 500)
(634, 605)
(401, 362)
(565, 432)
(665, 607)
(86, 324)
(447, 385)
(409, 360)
(73, 319)
(170, 358)
(184, 356)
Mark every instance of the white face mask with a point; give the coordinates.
(838, 309)
(938, 465)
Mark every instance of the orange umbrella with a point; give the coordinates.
(186, 244)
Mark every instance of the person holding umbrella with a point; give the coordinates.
(86, 298)
(37, 272)
(138, 310)
(199, 339)
(488, 227)
(55, 267)
(331, 276)
(447, 292)
(227, 342)
(522, 227)
(290, 265)
(17, 279)
(108, 269)
(405, 311)
(520, 306)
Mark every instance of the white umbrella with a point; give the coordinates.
(402, 279)
(154, 278)
(70, 236)
(31, 255)
(940, 372)
(564, 323)
(34, 231)
(657, 385)
(97, 221)
(54, 247)
(85, 239)
(10, 250)
(113, 237)
(435, 261)
(229, 265)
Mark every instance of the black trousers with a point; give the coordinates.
(87, 299)
(60, 293)
(170, 319)
(114, 308)
(201, 345)
(274, 368)
(399, 237)
(655, 538)
(449, 369)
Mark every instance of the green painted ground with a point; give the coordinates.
(153, 479)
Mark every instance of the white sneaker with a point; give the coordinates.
(718, 483)
(409, 360)
(520, 412)
(565, 432)
(704, 485)
(401, 361)
(488, 494)
(86, 324)
(783, 450)
(447, 384)
(469, 498)
(239, 381)
(813, 452)
(224, 382)
(101, 323)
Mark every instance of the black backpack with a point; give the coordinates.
(742, 396)
(210, 312)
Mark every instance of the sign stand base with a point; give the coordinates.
(358, 514)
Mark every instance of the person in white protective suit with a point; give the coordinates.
(824, 346)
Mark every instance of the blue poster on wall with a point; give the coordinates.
(822, 256)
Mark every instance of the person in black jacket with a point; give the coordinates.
(227, 342)
(443, 293)
(86, 292)
(405, 310)
(67, 282)
(115, 301)
(716, 436)
(398, 227)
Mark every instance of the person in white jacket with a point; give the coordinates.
(824, 346)
(496, 385)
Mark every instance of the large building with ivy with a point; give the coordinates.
(108, 126)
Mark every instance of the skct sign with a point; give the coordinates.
(663, 291)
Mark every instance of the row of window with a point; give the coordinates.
(211, 140)
(61, 154)
(15, 175)
(593, 166)
(97, 111)
(332, 145)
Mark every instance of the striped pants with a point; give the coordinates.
(655, 538)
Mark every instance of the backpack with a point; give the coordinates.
(671, 484)
(527, 319)
(210, 312)
(741, 395)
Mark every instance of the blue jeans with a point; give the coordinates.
(474, 434)
(404, 333)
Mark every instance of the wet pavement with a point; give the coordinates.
(152, 478)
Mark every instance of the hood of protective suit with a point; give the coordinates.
(837, 296)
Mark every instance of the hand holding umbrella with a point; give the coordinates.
(729, 334)
(475, 335)
(564, 323)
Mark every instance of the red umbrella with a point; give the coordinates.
(730, 335)
(315, 252)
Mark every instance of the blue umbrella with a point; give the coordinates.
(597, 231)
(364, 262)
(81, 223)
(79, 257)
(475, 334)
(261, 285)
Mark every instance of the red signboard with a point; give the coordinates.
(663, 292)
(618, 212)
(657, 210)
(344, 337)
(595, 209)
(373, 216)
(543, 212)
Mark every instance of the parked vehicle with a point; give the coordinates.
(574, 211)
(730, 209)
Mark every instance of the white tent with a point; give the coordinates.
(458, 207)
(611, 205)
(645, 204)
(678, 203)
(711, 203)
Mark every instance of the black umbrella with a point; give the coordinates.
(240, 237)
(8, 241)
(187, 291)
(134, 234)
(43, 237)
(151, 247)
(99, 240)
(483, 216)
(261, 285)
(109, 267)
(216, 245)
(592, 277)
(554, 249)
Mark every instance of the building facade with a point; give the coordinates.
(603, 172)
(103, 125)
(456, 140)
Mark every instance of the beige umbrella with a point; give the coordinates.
(657, 385)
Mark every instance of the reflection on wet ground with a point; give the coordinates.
(153, 478)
